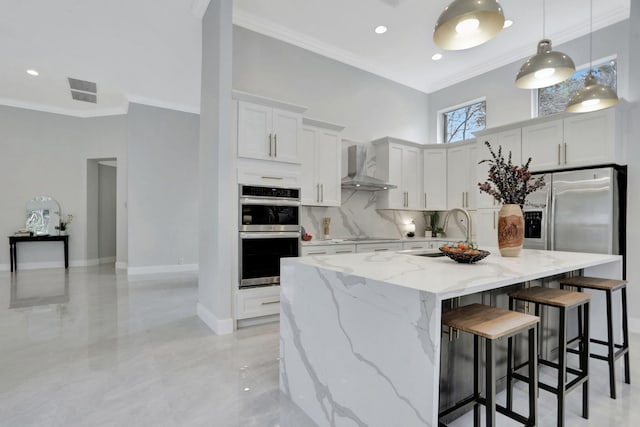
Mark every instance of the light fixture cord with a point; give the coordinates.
(590, 36)
(544, 32)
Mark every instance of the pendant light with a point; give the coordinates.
(593, 96)
(547, 67)
(468, 23)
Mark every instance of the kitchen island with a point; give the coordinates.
(360, 333)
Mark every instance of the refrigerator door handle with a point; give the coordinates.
(552, 224)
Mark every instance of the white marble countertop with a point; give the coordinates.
(445, 278)
(353, 240)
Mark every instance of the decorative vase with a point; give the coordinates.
(510, 230)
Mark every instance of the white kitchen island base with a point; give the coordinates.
(360, 333)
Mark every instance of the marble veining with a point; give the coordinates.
(361, 332)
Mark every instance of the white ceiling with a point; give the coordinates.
(148, 51)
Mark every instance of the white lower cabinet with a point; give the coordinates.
(378, 247)
(256, 302)
(415, 245)
(331, 249)
(487, 227)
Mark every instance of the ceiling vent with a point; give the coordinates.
(83, 90)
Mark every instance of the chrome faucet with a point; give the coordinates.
(466, 214)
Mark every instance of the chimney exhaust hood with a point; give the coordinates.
(356, 178)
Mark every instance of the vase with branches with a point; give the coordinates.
(509, 184)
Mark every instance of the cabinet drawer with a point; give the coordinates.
(415, 245)
(268, 177)
(378, 247)
(257, 302)
(316, 250)
(344, 249)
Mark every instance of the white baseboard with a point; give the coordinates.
(156, 269)
(50, 264)
(107, 260)
(121, 265)
(634, 325)
(219, 326)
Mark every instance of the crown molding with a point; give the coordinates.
(270, 29)
(115, 111)
(135, 99)
(199, 8)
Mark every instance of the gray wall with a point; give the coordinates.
(506, 103)
(163, 186)
(106, 211)
(369, 106)
(46, 154)
(633, 151)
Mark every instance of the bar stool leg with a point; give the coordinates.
(625, 336)
(611, 348)
(533, 377)
(562, 366)
(476, 380)
(510, 363)
(490, 385)
(585, 362)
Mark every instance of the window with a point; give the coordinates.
(460, 123)
(554, 99)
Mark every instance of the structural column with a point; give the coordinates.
(216, 171)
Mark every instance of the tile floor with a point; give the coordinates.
(89, 347)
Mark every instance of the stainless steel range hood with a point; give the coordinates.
(356, 178)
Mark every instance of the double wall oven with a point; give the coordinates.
(269, 229)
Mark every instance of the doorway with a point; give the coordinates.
(101, 210)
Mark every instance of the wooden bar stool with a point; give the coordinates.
(492, 323)
(608, 286)
(563, 300)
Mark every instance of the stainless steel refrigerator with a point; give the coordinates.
(578, 211)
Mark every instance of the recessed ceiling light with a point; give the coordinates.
(380, 29)
(437, 57)
(507, 23)
(33, 72)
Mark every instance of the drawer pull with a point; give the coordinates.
(380, 249)
(270, 302)
(316, 253)
(344, 252)
(272, 177)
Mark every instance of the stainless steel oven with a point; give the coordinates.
(269, 229)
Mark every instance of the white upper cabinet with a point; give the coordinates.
(510, 141)
(543, 143)
(399, 163)
(589, 139)
(487, 227)
(578, 140)
(321, 163)
(435, 179)
(461, 177)
(268, 133)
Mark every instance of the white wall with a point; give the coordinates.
(369, 106)
(46, 154)
(632, 132)
(163, 188)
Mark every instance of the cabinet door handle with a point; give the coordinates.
(317, 192)
(565, 153)
(270, 144)
(270, 302)
(317, 253)
(494, 220)
(322, 193)
(273, 177)
(425, 200)
(380, 249)
(558, 154)
(344, 252)
(275, 145)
